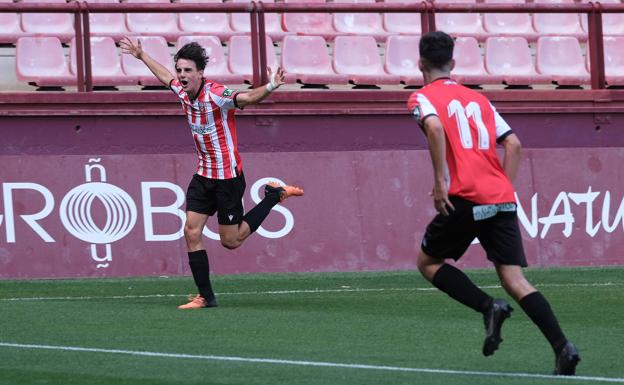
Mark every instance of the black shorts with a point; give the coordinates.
(224, 196)
(450, 237)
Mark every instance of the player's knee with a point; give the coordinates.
(192, 233)
(421, 265)
(423, 262)
(230, 242)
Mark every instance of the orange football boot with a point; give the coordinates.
(284, 191)
(198, 302)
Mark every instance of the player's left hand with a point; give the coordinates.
(277, 78)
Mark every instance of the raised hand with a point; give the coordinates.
(277, 78)
(129, 47)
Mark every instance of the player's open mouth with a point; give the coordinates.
(184, 82)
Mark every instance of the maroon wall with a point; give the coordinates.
(362, 161)
(363, 210)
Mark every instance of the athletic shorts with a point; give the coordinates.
(223, 196)
(496, 227)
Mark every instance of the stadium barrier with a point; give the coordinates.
(257, 11)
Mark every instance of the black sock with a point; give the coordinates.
(458, 286)
(258, 214)
(538, 309)
(198, 260)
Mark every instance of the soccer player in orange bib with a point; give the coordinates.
(219, 183)
(474, 197)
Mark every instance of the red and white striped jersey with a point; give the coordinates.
(472, 129)
(211, 119)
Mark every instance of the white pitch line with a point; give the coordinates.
(303, 291)
(313, 363)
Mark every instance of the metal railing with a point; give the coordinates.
(257, 10)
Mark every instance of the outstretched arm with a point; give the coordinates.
(437, 148)
(260, 93)
(136, 50)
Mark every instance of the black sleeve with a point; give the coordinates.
(502, 137)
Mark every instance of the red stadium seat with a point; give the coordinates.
(460, 24)
(510, 57)
(105, 63)
(614, 60)
(272, 22)
(612, 23)
(216, 68)
(558, 23)
(358, 58)
(156, 47)
(402, 59)
(509, 24)
(41, 61)
(240, 59)
(309, 23)
(306, 60)
(561, 58)
(469, 67)
(153, 24)
(216, 24)
(405, 23)
(359, 23)
(10, 29)
(108, 24)
(60, 25)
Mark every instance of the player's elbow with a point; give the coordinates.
(433, 130)
(243, 99)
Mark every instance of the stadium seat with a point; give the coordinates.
(272, 22)
(558, 23)
(510, 57)
(10, 29)
(469, 67)
(358, 58)
(156, 47)
(460, 24)
(41, 61)
(509, 24)
(309, 23)
(561, 58)
(153, 24)
(197, 23)
(105, 63)
(108, 24)
(402, 59)
(60, 25)
(404, 23)
(240, 59)
(359, 23)
(612, 23)
(216, 68)
(613, 60)
(306, 60)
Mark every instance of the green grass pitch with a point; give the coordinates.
(330, 328)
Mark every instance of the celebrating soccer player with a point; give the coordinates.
(219, 183)
(474, 197)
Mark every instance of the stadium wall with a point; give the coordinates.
(93, 186)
